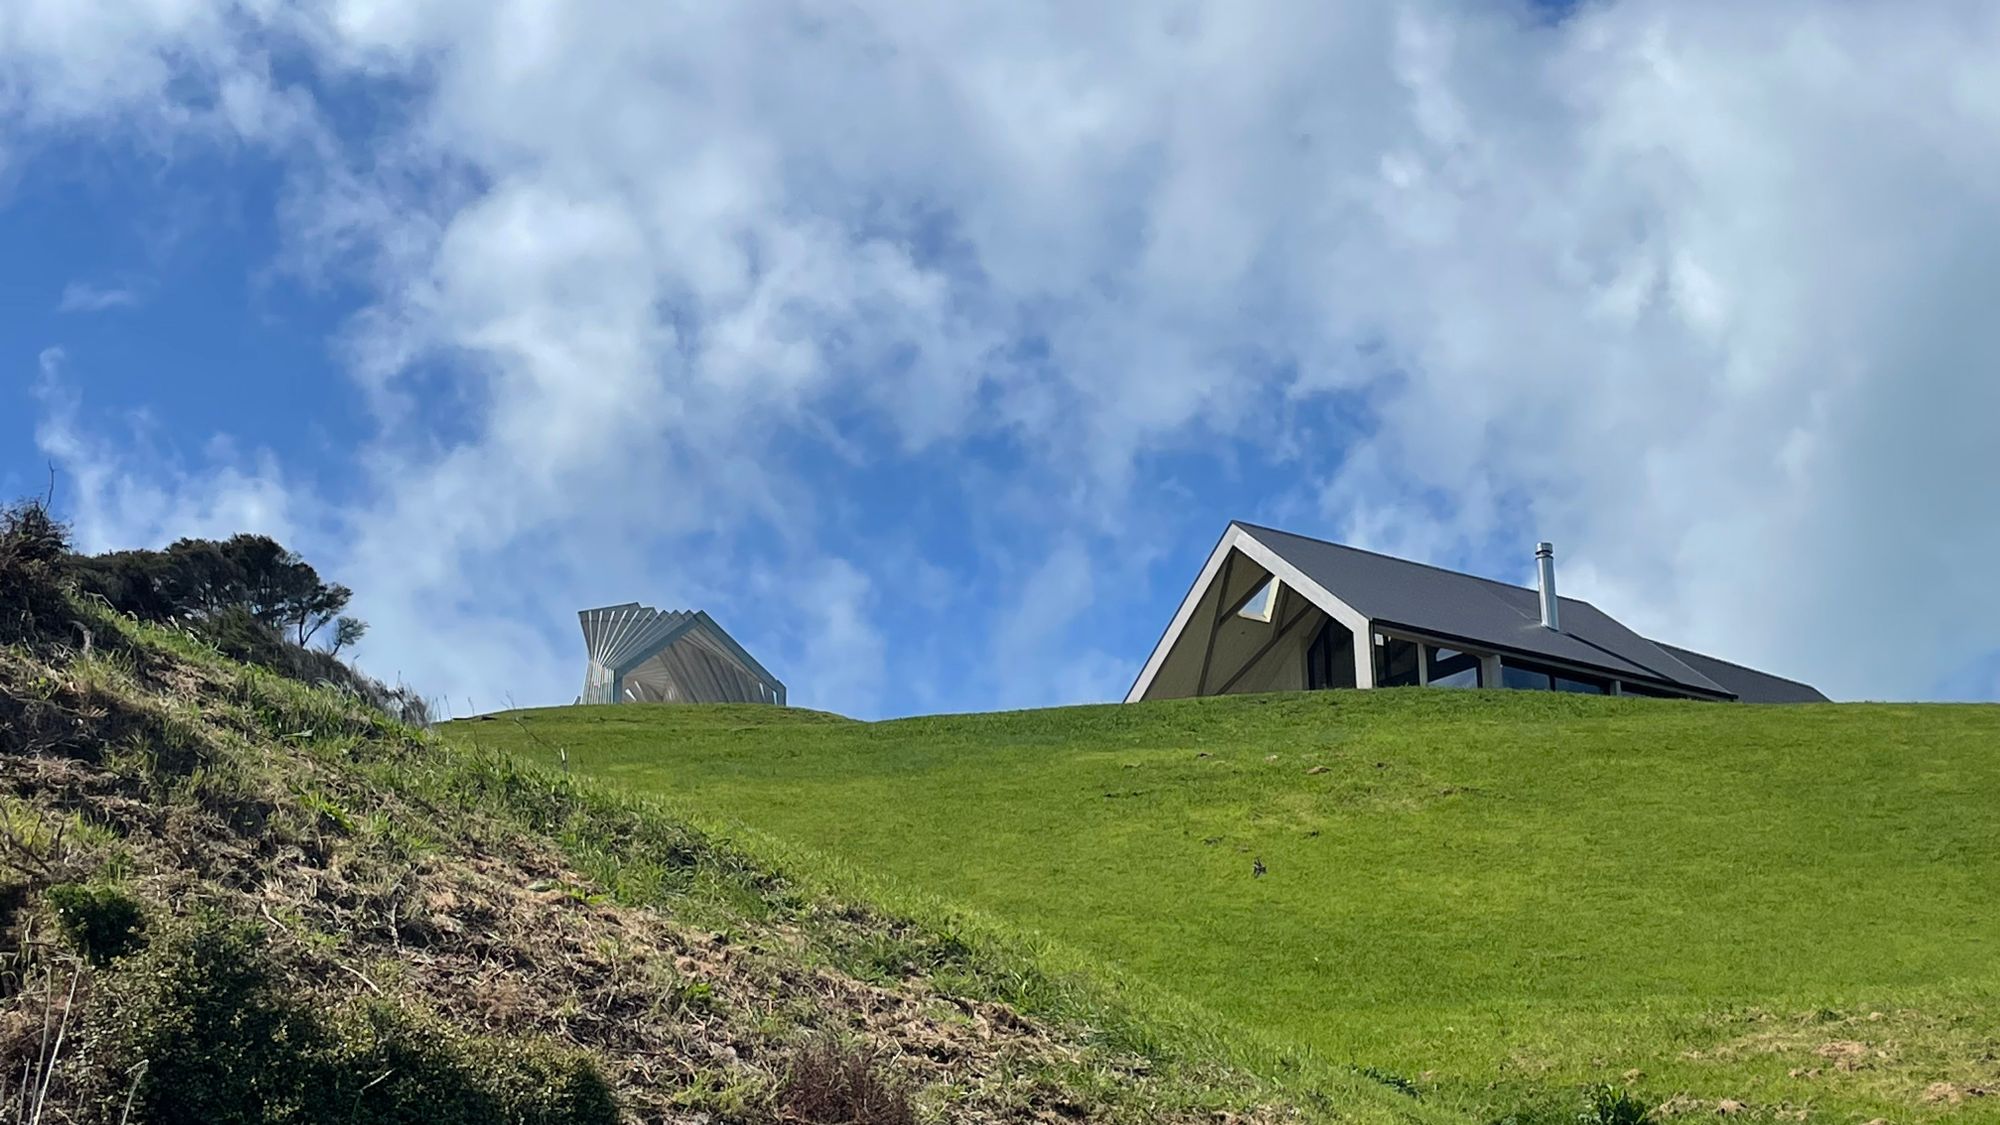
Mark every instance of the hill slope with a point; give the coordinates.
(227, 897)
(1496, 896)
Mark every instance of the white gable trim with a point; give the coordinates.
(1239, 538)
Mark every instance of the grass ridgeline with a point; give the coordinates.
(1489, 900)
(230, 897)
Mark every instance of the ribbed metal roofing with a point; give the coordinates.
(1479, 611)
(1748, 684)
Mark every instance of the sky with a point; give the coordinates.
(931, 347)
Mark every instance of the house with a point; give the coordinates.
(1273, 611)
(641, 655)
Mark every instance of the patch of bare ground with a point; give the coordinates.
(1907, 1056)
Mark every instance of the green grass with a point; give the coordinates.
(1499, 897)
(156, 791)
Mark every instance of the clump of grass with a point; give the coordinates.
(1390, 1079)
(830, 1083)
(1599, 1105)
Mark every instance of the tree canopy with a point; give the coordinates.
(202, 578)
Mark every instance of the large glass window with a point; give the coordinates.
(1330, 658)
(1395, 662)
(1630, 688)
(1588, 685)
(1450, 668)
(1530, 676)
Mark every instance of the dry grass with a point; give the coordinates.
(830, 1083)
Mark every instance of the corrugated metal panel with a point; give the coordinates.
(679, 655)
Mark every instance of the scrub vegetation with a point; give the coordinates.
(1509, 906)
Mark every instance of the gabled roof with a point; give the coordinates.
(1747, 684)
(1452, 606)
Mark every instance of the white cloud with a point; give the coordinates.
(1694, 289)
(81, 296)
(124, 493)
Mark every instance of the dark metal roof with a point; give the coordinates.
(1481, 612)
(1747, 684)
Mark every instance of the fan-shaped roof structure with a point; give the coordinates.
(639, 654)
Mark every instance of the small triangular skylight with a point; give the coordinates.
(1261, 603)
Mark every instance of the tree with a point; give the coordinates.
(202, 578)
(318, 607)
(347, 631)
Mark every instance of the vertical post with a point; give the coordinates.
(1364, 655)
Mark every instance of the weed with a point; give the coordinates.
(1395, 1082)
(1599, 1105)
(1606, 1105)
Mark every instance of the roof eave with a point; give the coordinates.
(1607, 671)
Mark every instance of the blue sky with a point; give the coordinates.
(930, 350)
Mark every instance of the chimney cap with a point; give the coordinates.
(1545, 548)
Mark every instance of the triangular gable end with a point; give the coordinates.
(1237, 571)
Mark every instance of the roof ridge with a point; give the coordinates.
(1561, 597)
(1643, 660)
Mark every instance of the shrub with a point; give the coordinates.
(220, 1043)
(199, 578)
(226, 1042)
(830, 1084)
(35, 574)
(536, 1084)
(395, 1070)
(102, 923)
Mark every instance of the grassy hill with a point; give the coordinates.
(231, 898)
(1492, 898)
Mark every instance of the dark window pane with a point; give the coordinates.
(1513, 675)
(1395, 662)
(1451, 668)
(1330, 658)
(1581, 684)
(1540, 677)
(1642, 689)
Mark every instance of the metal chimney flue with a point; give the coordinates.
(1545, 565)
